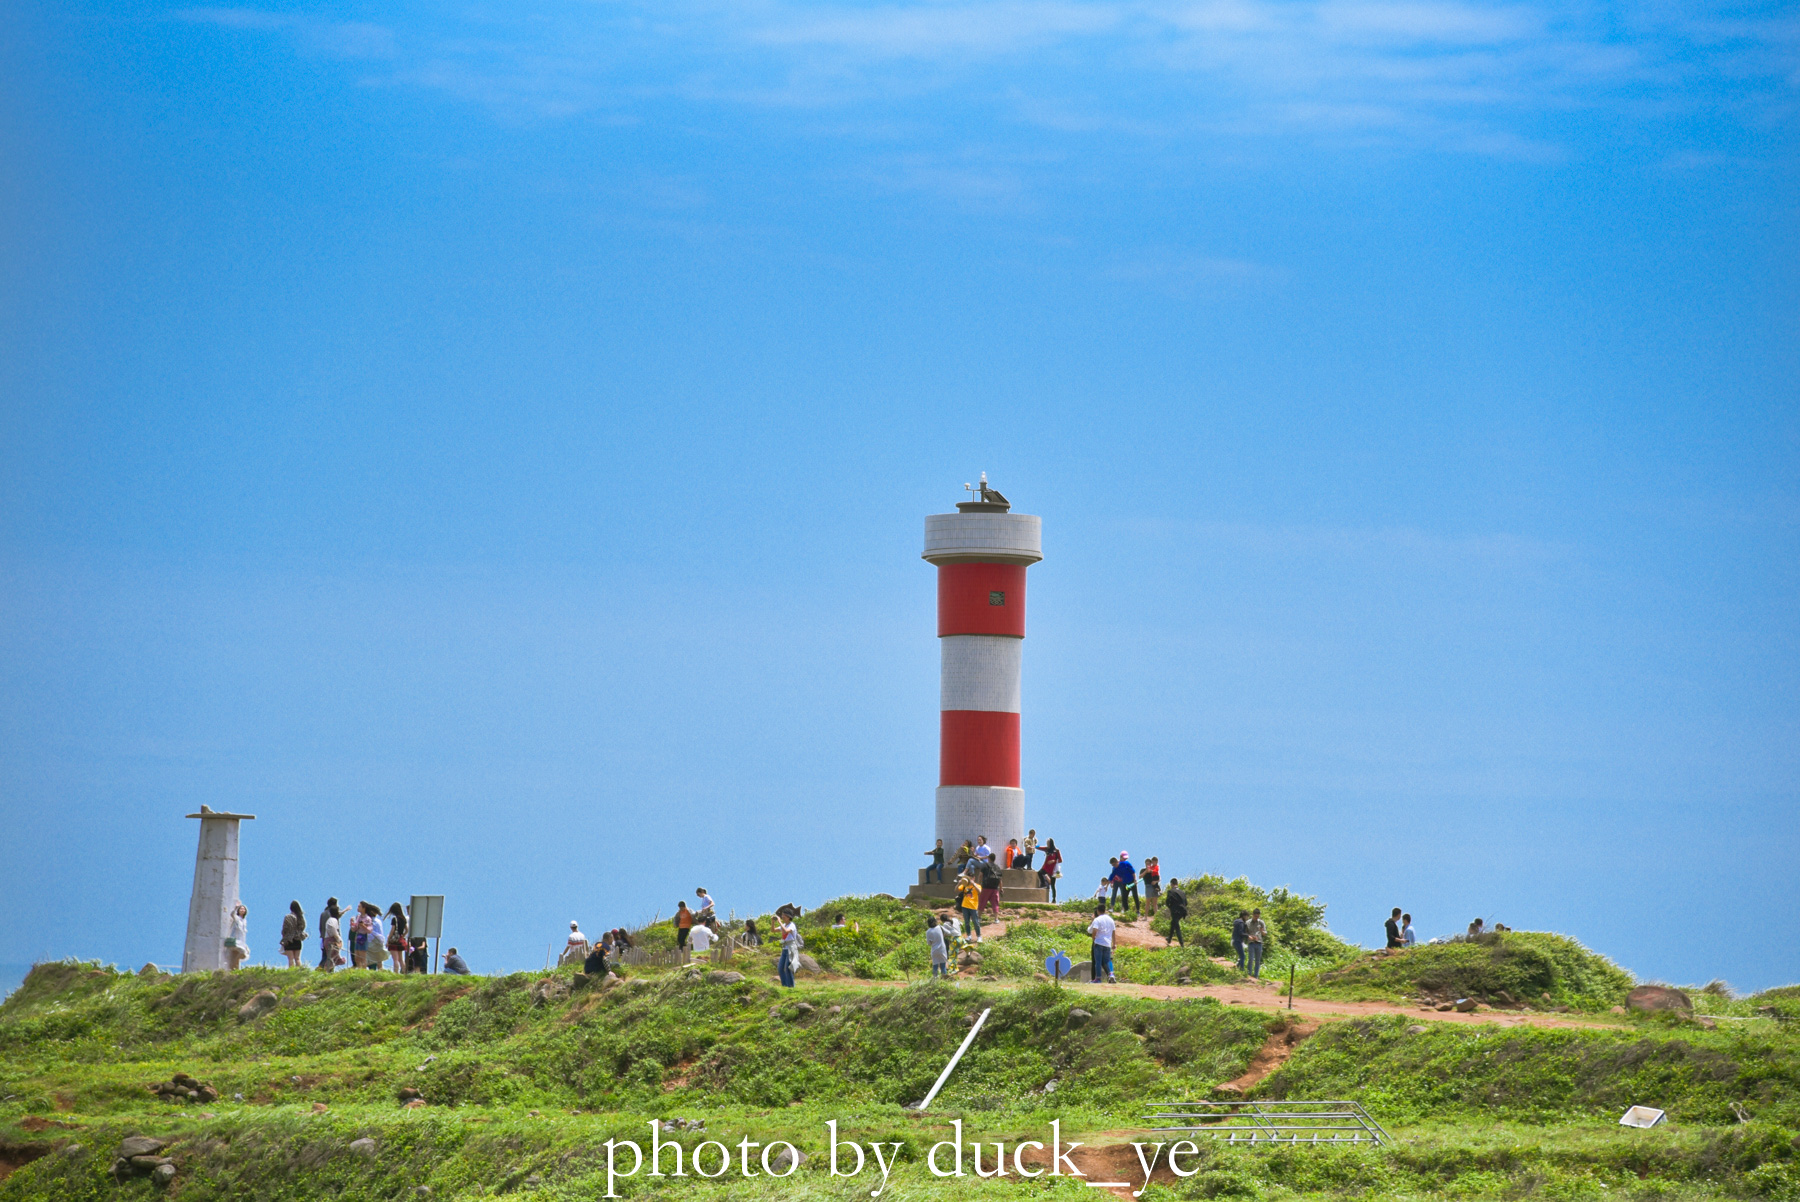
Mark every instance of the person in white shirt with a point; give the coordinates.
(789, 935)
(983, 851)
(237, 938)
(940, 952)
(1102, 931)
(576, 949)
(1407, 938)
(701, 937)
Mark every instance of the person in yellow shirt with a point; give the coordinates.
(968, 901)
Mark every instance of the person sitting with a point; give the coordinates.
(702, 934)
(454, 963)
(707, 908)
(1011, 853)
(1476, 928)
(595, 964)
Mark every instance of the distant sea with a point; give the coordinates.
(11, 977)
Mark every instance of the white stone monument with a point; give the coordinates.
(215, 891)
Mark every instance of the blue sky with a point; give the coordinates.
(490, 444)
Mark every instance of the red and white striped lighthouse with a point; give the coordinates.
(981, 553)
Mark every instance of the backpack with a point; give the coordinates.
(1177, 904)
(990, 876)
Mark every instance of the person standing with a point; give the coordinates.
(934, 943)
(790, 950)
(293, 933)
(968, 905)
(684, 922)
(1101, 929)
(990, 888)
(396, 937)
(1178, 908)
(1393, 930)
(377, 949)
(1128, 890)
(331, 937)
(1115, 887)
(1152, 878)
(937, 863)
(1240, 936)
(237, 937)
(1028, 849)
(1407, 938)
(1256, 933)
(575, 947)
(1052, 868)
(359, 936)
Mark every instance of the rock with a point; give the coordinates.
(144, 1164)
(319, 1108)
(1444, 1007)
(1079, 1017)
(1078, 973)
(808, 964)
(409, 1093)
(363, 1147)
(71, 1151)
(804, 1009)
(1416, 1029)
(786, 1160)
(1465, 1005)
(1050, 1085)
(1548, 998)
(534, 1180)
(774, 1011)
(258, 1005)
(716, 977)
(1617, 1010)
(580, 981)
(550, 989)
(1707, 1023)
(835, 1010)
(415, 1104)
(1651, 998)
(969, 959)
(208, 1094)
(139, 1145)
(612, 978)
(163, 1173)
(237, 1097)
(1227, 1090)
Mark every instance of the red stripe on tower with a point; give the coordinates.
(978, 747)
(981, 598)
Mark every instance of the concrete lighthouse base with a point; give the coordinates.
(967, 812)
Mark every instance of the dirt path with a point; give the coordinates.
(1268, 995)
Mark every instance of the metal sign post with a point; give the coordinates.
(425, 919)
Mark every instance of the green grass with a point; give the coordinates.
(523, 1094)
(1530, 968)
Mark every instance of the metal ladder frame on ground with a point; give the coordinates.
(1271, 1123)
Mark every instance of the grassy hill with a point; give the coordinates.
(522, 1080)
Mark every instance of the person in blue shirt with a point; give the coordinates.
(1127, 878)
(454, 963)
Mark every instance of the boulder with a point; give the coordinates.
(550, 989)
(163, 1173)
(208, 1093)
(258, 1005)
(786, 1160)
(1465, 1005)
(1651, 998)
(808, 964)
(1079, 1018)
(804, 1009)
(1416, 1029)
(408, 1093)
(723, 978)
(139, 1145)
(1084, 971)
(145, 1164)
(363, 1147)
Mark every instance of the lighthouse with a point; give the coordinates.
(981, 553)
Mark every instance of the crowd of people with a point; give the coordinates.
(376, 940)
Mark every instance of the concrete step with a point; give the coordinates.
(947, 892)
